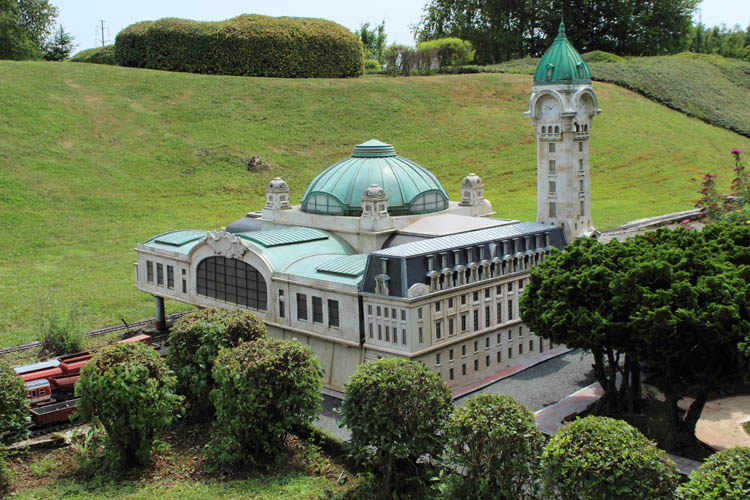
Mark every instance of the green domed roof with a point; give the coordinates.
(338, 190)
(561, 64)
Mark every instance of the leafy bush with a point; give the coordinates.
(400, 59)
(251, 45)
(446, 52)
(263, 389)
(14, 407)
(371, 65)
(599, 56)
(601, 458)
(130, 390)
(195, 341)
(58, 328)
(98, 55)
(5, 480)
(396, 410)
(495, 441)
(725, 475)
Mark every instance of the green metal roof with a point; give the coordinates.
(309, 267)
(286, 236)
(340, 186)
(351, 265)
(561, 64)
(181, 241)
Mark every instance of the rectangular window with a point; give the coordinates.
(450, 303)
(281, 309)
(499, 339)
(333, 312)
(580, 146)
(372, 335)
(552, 187)
(450, 373)
(463, 322)
(582, 210)
(160, 274)
(301, 307)
(580, 184)
(520, 331)
(476, 297)
(378, 311)
(184, 281)
(317, 304)
(149, 271)
(499, 356)
(499, 312)
(499, 290)
(520, 285)
(369, 309)
(476, 346)
(510, 310)
(531, 345)
(437, 359)
(403, 315)
(487, 317)
(438, 334)
(385, 312)
(395, 335)
(170, 277)
(487, 342)
(437, 306)
(487, 360)
(393, 314)
(450, 327)
(487, 293)
(552, 166)
(520, 349)
(419, 313)
(476, 365)
(421, 338)
(463, 369)
(403, 336)
(463, 300)
(463, 350)
(551, 147)
(510, 287)
(476, 320)
(387, 333)
(510, 334)
(580, 167)
(552, 209)
(510, 352)
(450, 355)
(380, 332)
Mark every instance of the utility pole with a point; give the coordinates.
(102, 28)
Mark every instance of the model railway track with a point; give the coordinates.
(94, 333)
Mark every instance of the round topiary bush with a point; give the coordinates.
(396, 410)
(724, 476)
(602, 458)
(250, 45)
(195, 341)
(14, 407)
(98, 55)
(129, 388)
(263, 390)
(494, 441)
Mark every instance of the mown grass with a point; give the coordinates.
(709, 87)
(98, 158)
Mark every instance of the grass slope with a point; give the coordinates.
(710, 87)
(97, 158)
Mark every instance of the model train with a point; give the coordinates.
(50, 384)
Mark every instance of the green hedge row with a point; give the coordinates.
(249, 45)
(99, 55)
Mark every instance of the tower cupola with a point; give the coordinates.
(561, 64)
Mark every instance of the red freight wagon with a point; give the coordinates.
(72, 363)
(50, 414)
(36, 371)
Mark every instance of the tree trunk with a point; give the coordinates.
(681, 425)
(608, 404)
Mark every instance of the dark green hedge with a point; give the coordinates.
(250, 45)
(99, 55)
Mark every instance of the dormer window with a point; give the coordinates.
(549, 67)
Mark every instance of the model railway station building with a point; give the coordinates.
(376, 261)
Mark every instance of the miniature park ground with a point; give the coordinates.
(96, 159)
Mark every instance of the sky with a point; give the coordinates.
(82, 17)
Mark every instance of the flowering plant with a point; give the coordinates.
(715, 206)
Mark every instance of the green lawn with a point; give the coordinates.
(98, 158)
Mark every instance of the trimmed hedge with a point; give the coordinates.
(98, 55)
(250, 45)
(724, 476)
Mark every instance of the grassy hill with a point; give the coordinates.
(710, 87)
(98, 158)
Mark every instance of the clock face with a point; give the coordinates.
(583, 111)
(550, 110)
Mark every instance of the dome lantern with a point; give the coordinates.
(561, 64)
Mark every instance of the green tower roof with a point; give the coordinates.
(411, 188)
(561, 64)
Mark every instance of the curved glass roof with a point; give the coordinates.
(410, 187)
(561, 64)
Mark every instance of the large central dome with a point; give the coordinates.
(338, 190)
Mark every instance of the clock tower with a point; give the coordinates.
(562, 107)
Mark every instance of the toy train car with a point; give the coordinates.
(50, 384)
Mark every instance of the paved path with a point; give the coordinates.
(535, 387)
(720, 425)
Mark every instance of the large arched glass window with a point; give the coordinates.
(431, 201)
(323, 204)
(233, 281)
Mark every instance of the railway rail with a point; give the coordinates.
(94, 333)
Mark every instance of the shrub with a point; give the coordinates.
(14, 407)
(495, 440)
(600, 56)
(129, 389)
(396, 410)
(371, 65)
(399, 60)
(5, 480)
(602, 458)
(724, 476)
(263, 389)
(250, 45)
(446, 52)
(98, 55)
(195, 341)
(58, 328)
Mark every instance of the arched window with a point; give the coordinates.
(233, 281)
(431, 201)
(557, 129)
(323, 204)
